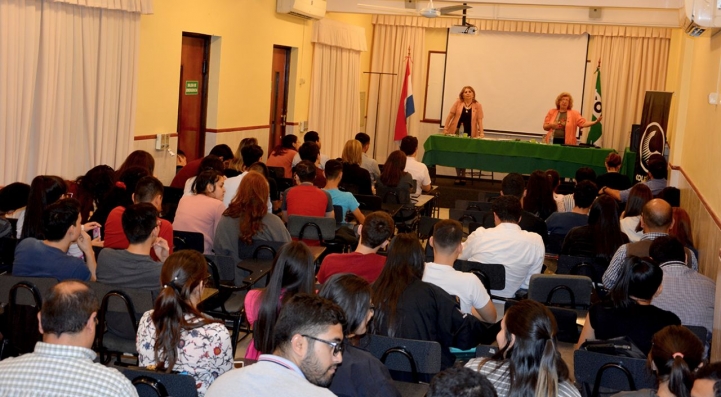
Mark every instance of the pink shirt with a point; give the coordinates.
(252, 306)
(201, 214)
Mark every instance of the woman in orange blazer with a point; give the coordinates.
(468, 112)
(562, 122)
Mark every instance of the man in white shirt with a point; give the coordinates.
(369, 163)
(446, 243)
(251, 154)
(519, 251)
(312, 136)
(418, 170)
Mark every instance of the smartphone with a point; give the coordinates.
(96, 233)
(238, 364)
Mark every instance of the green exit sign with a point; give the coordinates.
(191, 87)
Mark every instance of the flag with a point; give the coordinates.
(596, 129)
(405, 106)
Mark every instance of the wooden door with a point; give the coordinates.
(193, 95)
(278, 95)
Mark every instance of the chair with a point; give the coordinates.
(473, 205)
(276, 172)
(561, 290)
(406, 218)
(120, 311)
(284, 184)
(473, 226)
(7, 254)
(594, 371)
(582, 266)
(493, 276)
(339, 215)
(257, 259)
(425, 227)
(488, 196)
(22, 298)
(188, 240)
(160, 384)
(465, 217)
(314, 231)
(554, 243)
(419, 359)
(171, 198)
(368, 202)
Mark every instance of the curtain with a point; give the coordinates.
(334, 110)
(630, 66)
(68, 76)
(391, 46)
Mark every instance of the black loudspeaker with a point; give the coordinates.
(635, 137)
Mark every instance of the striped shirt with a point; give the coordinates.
(498, 374)
(60, 370)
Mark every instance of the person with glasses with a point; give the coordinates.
(307, 350)
(361, 374)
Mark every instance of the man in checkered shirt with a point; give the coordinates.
(62, 364)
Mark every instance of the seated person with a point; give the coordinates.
(48, 258)
(148, 190)
(311, 152)
(601, 237)
(657, 174)
(201, 211)
(708, 381)
(613, 178)
(12, 197)
(305, 199)
(208, 163)
(519, 251)
(282, 155)
(133, 267)
(446, 243)
(249, 155)
(190, 170)
(355, 178)
(418, 170)
(311, 136)
(628, 310)
(369, 163)
(248, 219)
(345, 200)
(560, 223)
(377, 228)
(394, 174)
(460, 381)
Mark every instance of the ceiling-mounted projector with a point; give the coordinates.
(464, 29)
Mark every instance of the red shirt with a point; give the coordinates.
(115, 236)
(368, 266)
(190, 170)
(307, 200)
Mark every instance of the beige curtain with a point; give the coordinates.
(630, 66)
(334, 110)
(391, 45)
(69, 75)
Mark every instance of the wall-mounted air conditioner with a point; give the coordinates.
(700, 16)
(306, 9)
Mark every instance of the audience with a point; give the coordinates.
(628, 310)
(307, 350)
(375, 232)
(306, 199)
(283, 155)
(418, 170)
(247, 219)
(369, 163)
(407, 307)
(582, 174)
(638, 196)
(238, 164)
(656, 220)
(201, 211)
(514, 185)
(447, 245)
(685, 292)
(708, 381)
(208, 163)
(44, 190)
(345, 200)
(48, 257)
(528, 362)
(133, 267)
(460, 382)
(538, 199)
(249, 155)
(223, 152)
(138, 158)
(312, 136)
(92, 187)
(519, 251)
(361, 374)
(612, 178)
(175, 336)
(63, 363)
(601, 237)
(672, 195)
(12, 198)
(394, 174)
(681, 229)
(311, 152)
(292, 273)
(355, 179)
(120, 195)
(560, 223)
(148, 190)
(657, 173)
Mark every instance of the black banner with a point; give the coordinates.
(654, 120)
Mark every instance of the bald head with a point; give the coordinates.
(657, 216)
(67, 308)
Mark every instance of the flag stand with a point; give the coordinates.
(378, 97)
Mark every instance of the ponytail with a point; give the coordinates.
(680, 379)
(676, 353)
(547, 383)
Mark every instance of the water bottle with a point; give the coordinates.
(460, 130)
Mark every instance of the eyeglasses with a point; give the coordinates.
(337, 346)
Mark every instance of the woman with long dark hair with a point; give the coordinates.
(528, 362)
(138, 158)
(293, 272)
(93, 187)
(361, 374)
(175, 335)
(639, 195)
(247, 218)
(539, 196)
(394, 174)
(201, 211)
(44, 190)
(407, 307)
(601, 237)
(282, 155)
(120, 194)
(628, 311)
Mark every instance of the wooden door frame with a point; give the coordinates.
(286, 72)
(204, 94)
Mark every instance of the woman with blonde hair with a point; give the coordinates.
(247, 218)
(466, 112)
(236, 163)
(562, 122)
(356, 179)
(175, 335)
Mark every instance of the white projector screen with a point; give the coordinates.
(516, 76)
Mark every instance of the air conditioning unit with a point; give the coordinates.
(700, 16)
(306, 9)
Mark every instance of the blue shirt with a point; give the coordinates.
(33, 258)
(345, 200)
(656, 185)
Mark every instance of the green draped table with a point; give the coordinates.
(511, 156)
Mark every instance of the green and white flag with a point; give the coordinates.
(596, 129)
